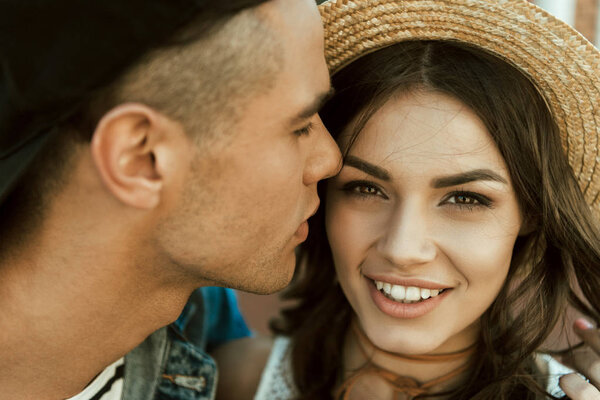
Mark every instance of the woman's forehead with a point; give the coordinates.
(424, 127)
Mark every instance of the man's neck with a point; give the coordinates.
(66, 313)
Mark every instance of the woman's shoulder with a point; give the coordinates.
(240, 364)
(277, 381)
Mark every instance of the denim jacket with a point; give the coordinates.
(172, 363)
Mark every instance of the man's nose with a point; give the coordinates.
(325, 159)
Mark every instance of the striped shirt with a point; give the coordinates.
(106, 386)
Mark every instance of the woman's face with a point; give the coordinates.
(422, 220)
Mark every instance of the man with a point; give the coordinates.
(148, 148)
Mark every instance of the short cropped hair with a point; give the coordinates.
(201, 81)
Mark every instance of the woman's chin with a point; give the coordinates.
(399, 341)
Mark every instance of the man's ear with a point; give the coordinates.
(124, 149)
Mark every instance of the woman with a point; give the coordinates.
(457, 230)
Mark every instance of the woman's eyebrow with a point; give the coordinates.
(465, 177)
(441, 182)
(371, 169)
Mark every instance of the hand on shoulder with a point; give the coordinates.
(587, 363)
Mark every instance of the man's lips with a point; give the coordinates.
(315, 209)
(302, 232)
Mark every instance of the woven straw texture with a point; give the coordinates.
(562, 64)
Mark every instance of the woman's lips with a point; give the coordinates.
(401, 310)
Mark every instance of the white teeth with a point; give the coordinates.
(387, 288)
(398, 292)
(410, 294)
(413, 293)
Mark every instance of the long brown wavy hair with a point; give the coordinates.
(557, 260)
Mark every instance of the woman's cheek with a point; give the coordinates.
(481, 254)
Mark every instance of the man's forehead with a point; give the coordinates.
(286, 14)
(314, 107)
(302, 84)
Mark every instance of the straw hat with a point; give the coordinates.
(560, 62)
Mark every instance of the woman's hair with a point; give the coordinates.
(559, 257)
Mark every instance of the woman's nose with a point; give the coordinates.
(406, 240)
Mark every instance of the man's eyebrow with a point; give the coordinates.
(466, 177)
(371, 169)
(314, 107)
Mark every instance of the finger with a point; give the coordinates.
(577, 388)
(588, 333)
(589, 366)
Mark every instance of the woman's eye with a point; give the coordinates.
(462, 199)
(468, 200)
(366, 190)
(363, 189)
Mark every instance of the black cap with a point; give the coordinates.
(53, 53)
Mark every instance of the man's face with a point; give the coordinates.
(250, 192)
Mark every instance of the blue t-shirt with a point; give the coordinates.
(218, 321)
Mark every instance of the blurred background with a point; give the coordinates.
(582, 14)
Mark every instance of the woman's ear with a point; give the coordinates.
(528, 225)
(124, 150)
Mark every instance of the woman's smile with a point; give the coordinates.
(406, 294)
(399, 301)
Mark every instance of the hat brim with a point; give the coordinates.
(561, 63)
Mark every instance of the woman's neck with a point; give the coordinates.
(369, 371)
